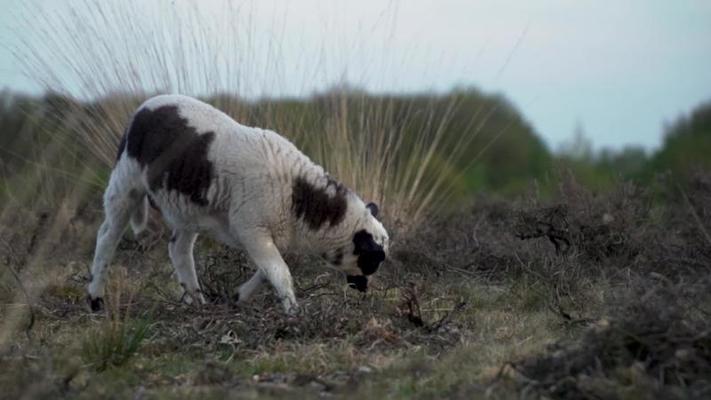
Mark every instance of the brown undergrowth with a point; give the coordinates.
(582, 295)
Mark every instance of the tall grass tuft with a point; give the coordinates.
(117, 337)
(392, 153)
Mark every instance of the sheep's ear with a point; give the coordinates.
(373, 209)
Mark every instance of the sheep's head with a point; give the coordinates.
(362, 257)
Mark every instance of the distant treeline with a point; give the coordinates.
(500, 150)
(685, 151)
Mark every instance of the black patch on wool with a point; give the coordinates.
(370, 254)
(174, 152)
(316, 206)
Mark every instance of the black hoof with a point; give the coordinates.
(235, 298)
(96, 304)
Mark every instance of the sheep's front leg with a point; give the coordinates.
(272, 267)
(181, 256)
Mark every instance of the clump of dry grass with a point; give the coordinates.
(118, 336)
(656, 343)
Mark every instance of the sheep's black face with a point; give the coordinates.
(368, 255)
(363, 256)
(369, 246)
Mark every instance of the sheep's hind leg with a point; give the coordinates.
(180, 250)
(118, 206)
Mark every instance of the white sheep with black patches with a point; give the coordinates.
(247, 187)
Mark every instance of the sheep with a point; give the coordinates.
(247, 187)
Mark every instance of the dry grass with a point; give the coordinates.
(118, 337)
(394, 156)
(454, 314)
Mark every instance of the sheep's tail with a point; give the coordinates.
(139, 217)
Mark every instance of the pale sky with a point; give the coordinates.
(619, 68)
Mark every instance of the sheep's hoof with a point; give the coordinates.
(293, 312)
(96, 304)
